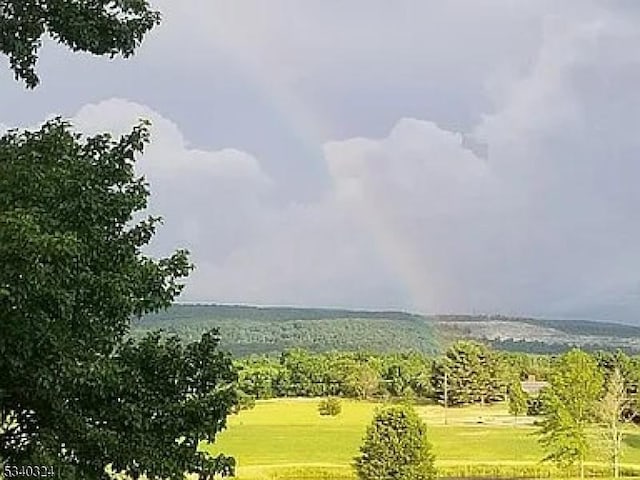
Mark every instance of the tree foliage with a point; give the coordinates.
(610, 410)
(298, 373)
(364, 380)
(473, 375)
(629, 369)
(252, 330)
(330, 406)
(74, 392)
(570, 404)
(396, 447)
(406, 376)
(101, 27)
(517, 400)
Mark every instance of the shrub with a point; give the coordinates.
(330, 407)
(245, 402)
(396, 447)
(534, 406)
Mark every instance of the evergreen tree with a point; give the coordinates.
(473, 375)
(396, 447)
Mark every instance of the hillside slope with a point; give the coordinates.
(540, 335)
(246, 330)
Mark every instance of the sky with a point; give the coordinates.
(468, 156)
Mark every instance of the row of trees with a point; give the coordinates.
(298, 373)
(468, 373)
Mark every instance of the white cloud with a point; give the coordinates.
(169, 150)
(247, 246)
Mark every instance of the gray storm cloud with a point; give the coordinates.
(528, 208)
(548, 223)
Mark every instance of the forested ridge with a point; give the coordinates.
(249, 330)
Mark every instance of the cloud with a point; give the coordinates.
(548, 223)
(530, 208)
(169, 151)
(206, 197)
(545, 224)
(248, 247)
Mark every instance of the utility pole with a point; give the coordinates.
(446, 395)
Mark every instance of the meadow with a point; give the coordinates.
(288, 439)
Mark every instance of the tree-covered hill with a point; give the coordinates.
(246, 330)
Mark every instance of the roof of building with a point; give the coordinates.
(533, 386)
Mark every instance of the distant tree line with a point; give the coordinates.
(299, 373)
(470, 373)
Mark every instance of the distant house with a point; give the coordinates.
(532, 387)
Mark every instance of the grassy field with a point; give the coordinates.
(289, 439)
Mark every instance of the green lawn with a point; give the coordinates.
(279, 437)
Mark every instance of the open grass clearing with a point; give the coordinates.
(288, 439)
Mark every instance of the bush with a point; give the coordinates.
(534, 406)
(396, 447)
(330, 407)
(245, 402)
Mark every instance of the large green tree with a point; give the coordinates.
(257, 377)
(74, 392)
(396, 447)
(101, 27)
(570, 402)
(305, 373)
(473, 375)
(406, 375)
